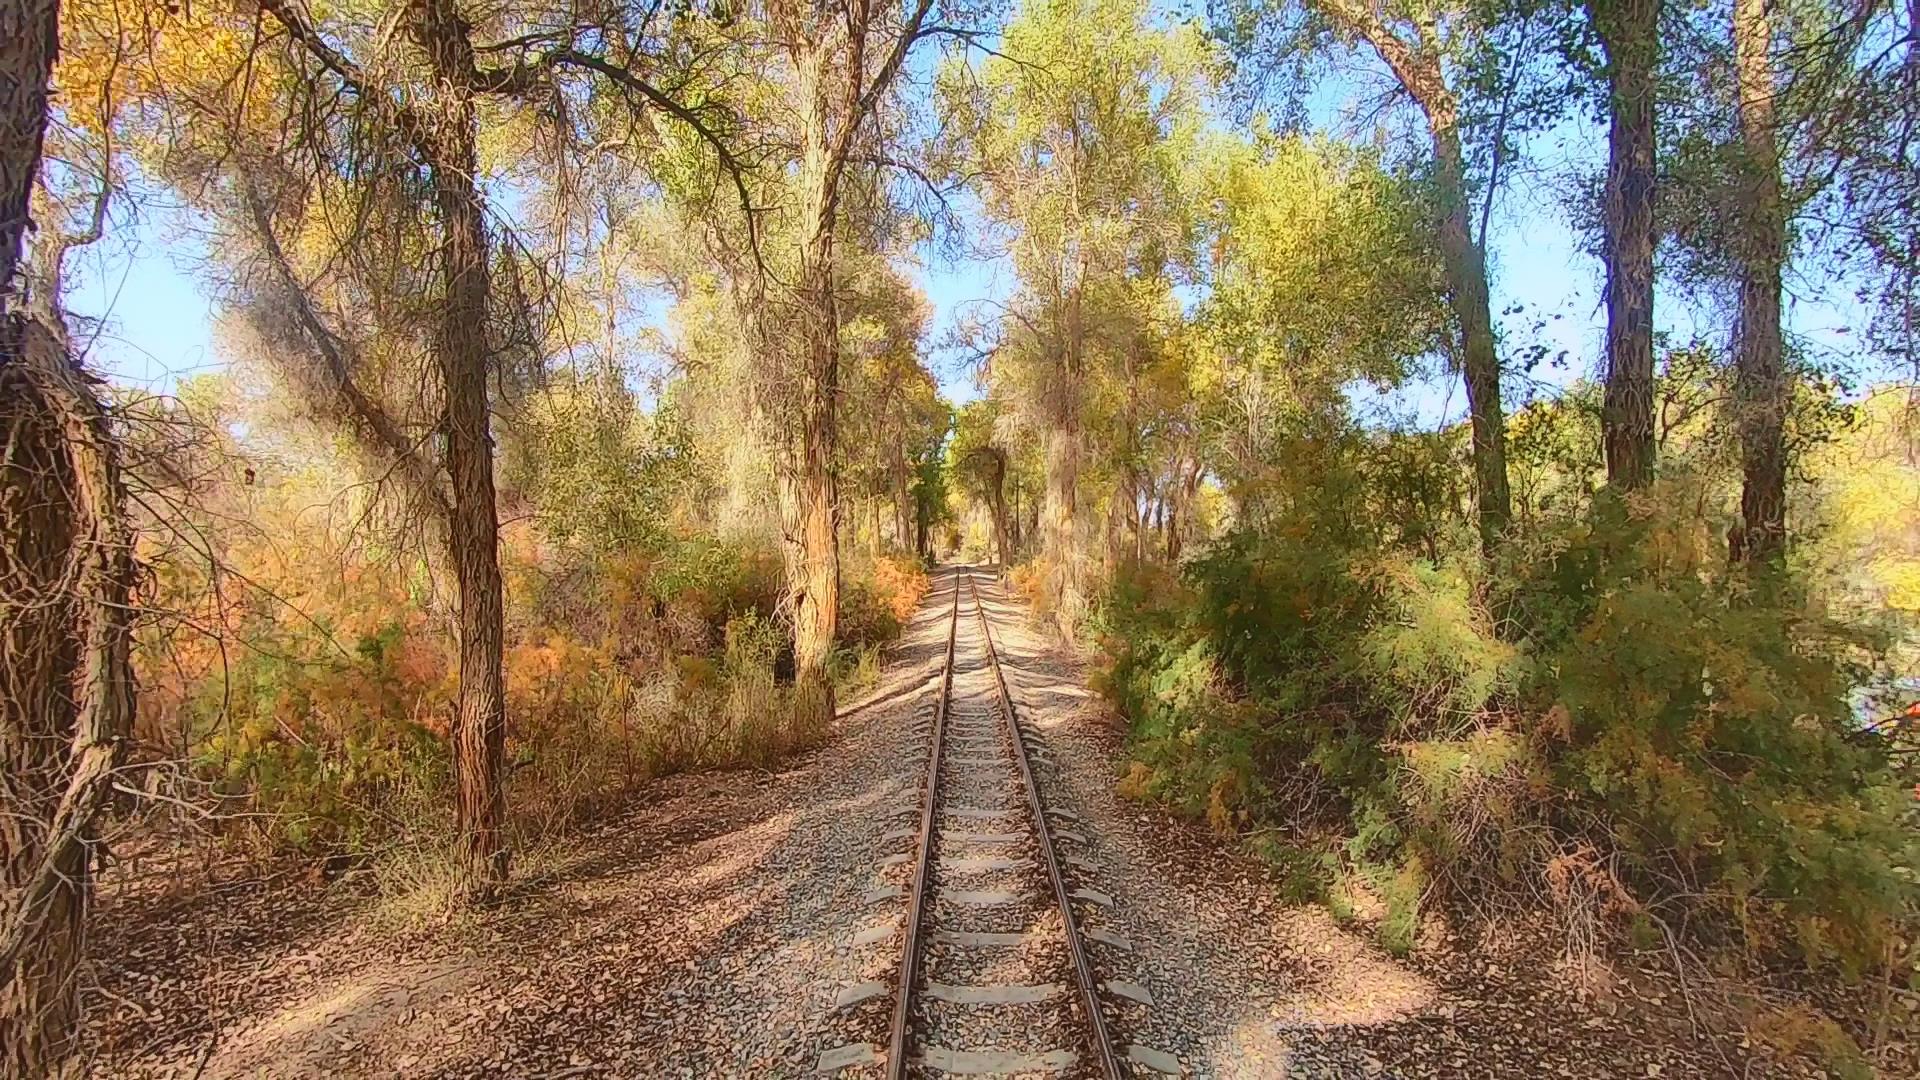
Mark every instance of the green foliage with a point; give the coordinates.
(315, 739)
(1707, 718)
(1645, 699)
(602, 475)
(1432, 658)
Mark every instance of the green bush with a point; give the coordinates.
(316, 740)
(1704, 718)
(1641, 698)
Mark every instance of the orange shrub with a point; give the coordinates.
(899, 582)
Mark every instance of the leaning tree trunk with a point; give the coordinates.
(1467, 290)
(66, 574)
(1760, 383)
(1630, 31)
(66, 690)
(1417, 67)
(480, 727)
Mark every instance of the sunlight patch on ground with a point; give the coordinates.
(371, 1004)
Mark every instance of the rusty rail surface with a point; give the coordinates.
(916, 897)
(1076, 946)
(912, 947)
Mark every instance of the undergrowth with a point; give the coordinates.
(327, 737)
(1612, 720)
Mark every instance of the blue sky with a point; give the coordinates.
(145, 282)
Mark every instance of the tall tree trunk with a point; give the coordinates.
(809, 510)
(480, 726)
(1630, 31)
(1060, 533)
(66, 686)
(1467, 291)
(999, 506)
(1760, 383)
(66, 573)
(1416, 65)
(1014, 531)
(902, 499)
(1060, 525)
(1180, 498)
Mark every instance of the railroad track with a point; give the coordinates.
(1002, 925)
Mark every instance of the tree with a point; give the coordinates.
(1322, 275)
(1411, 48)
(29, 39)
(66, 576)
(843, 59)
(1629, 32)
(981, 466)
(436, 122)
(1761, 387)
(1078, 134)
(422, 115)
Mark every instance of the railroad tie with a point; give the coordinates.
(978, 813)
(846, 1057)
(994, 1062)
(1158, 1060)
(993, 995)
(982, 864)
(978, 897)
(977, 939)
(878, 932)
(857, 993)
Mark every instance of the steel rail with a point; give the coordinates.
(910, 951)
(1076, 947)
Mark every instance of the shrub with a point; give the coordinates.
(1431, 657)
(1705, 718)
(1654, 727)
(899, 583)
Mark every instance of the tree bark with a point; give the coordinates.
(996, 484)
(1761, 388)
(464, 355)
(1060, 524)
(1467, 289)
(1418, 69)
(29, 40)
(1629, 29)
(66, 577)
(66, 685)
(809, 510)
(1060, 516)
(902, 499)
